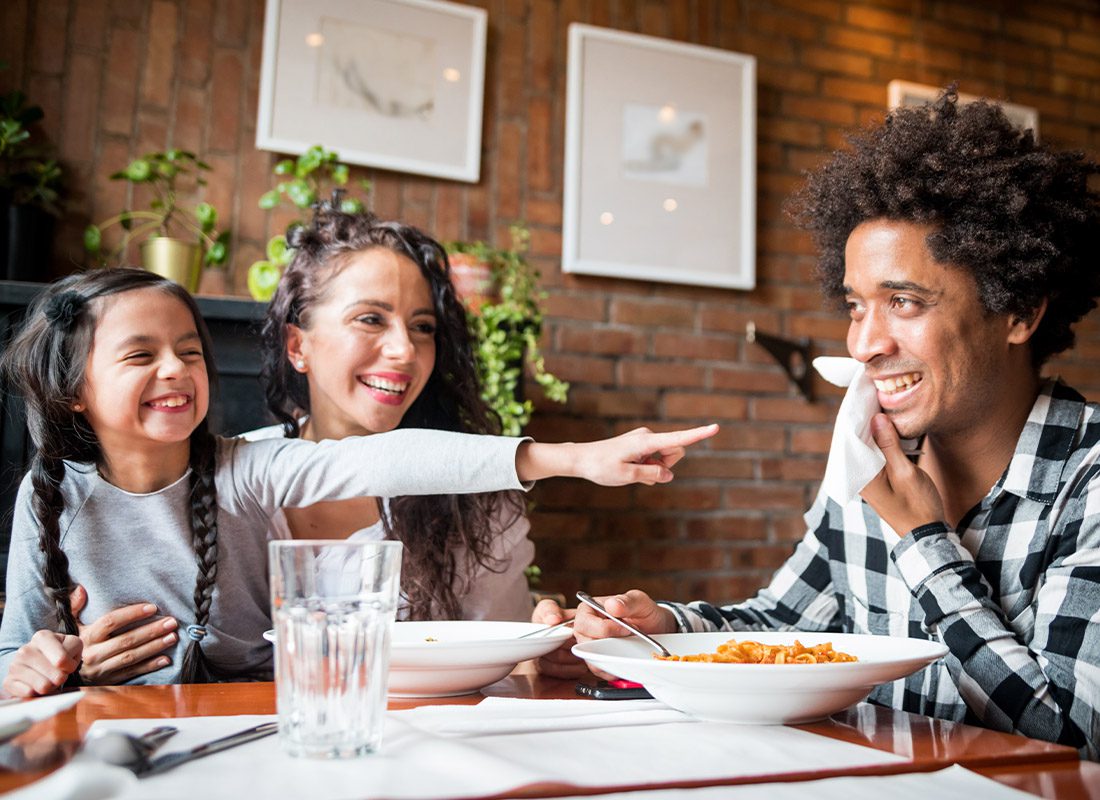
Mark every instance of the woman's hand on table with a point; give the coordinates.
(902, 494)
(639, 456)
(111, 657)
(43, 664)
(560, 663)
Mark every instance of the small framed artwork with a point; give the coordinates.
(660, 160)
(396, 84)
(904, 93)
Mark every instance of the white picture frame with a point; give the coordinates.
(907, 93)
(660, 160)
(396, 84)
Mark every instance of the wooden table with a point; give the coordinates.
(1039, 767)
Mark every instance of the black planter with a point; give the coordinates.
(26, 240)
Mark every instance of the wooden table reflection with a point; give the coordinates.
(1038, 767)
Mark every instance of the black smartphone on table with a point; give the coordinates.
(613, 690)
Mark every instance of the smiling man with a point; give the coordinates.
(964, 253)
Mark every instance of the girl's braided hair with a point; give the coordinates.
(46, 363)
(433, 529)
(1017, 215)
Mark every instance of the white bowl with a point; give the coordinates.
(446, 658)
(761, 694)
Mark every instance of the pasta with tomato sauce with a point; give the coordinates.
(747, 652)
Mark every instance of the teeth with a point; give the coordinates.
(900, 383)
(170, 402)
(385, 385)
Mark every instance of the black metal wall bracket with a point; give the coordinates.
(793, 356)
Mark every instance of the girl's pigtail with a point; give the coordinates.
(204, 537)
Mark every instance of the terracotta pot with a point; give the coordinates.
(473, 280)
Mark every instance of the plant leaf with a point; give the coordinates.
(93, 239)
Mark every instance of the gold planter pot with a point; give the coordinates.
(173, 259)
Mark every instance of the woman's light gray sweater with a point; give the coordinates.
(129, 548)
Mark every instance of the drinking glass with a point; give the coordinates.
(333, 604)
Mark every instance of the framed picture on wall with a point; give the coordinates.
(660, 160)
(395, 84)
(904, 93)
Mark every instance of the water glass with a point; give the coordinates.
(333, 604)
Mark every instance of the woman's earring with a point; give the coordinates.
(300, 364)
(78, 407)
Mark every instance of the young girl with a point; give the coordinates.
(365, 335)
(131, 496)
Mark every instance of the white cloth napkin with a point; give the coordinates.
(417, 763)
(953, 783)
(38, 709)
(504, 715)
(854, 458)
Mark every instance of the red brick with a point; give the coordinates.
(639, 526)
(705, 465)
(780, 409)
(539, 154)
(727, 526)
(811, 440)
(231, 22)
(88, 28)
(679, 558)
(783, 24)
(679, 496)
(195, 44)
(659, 374)
(582, 369)
(564, 493)
(1036, 33)
(861, 41)
(509, 165)
(875, 19)
(48, 50)
(870, 92)
(831, 10)
(723, 589)
(129, 11)
(160, 54)
(701, 347)
(785, 78)
(836, 61)
(750, 438)
(705, 406)
(508, 71)
(609, 404)
(14, 25)
(601, 340)
(544, 212)
(119, 86)
(760, 497)
(788, 528)
(653, 313)
(792, 469)
(755, 381)
(570, 305)
(806, 134)
(541, 50)
(558, 526)
(225, 101)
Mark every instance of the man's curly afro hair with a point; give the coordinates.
(1020, 216)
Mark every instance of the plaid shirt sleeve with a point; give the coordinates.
(1048, 687)
(799, 597)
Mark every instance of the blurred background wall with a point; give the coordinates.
(118, 78)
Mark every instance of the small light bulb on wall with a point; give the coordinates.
(451, 75)
(315, 39)
(667, 114)
(606, 218)
(670, 204)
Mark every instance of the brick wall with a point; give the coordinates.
(121, 77)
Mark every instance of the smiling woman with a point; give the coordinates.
(364, 335)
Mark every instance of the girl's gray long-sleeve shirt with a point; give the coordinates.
(130, 548)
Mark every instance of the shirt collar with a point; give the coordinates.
(1044, 446)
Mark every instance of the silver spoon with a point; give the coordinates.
(123, 750)
(588, 600)
(547, 629)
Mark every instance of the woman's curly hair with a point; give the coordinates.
(1018, 215)
(446, 537)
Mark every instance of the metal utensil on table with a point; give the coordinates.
(124, 750)
(171, 760)
(588, 600)
(547, 629)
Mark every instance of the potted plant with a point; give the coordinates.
(30, 185)
(507, 325)
(317, 173)
(175, 240)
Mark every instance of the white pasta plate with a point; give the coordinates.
(761, 694)
(453, 657)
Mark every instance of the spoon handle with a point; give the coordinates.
(588, 600)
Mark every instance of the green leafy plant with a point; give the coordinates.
(165, 216)
(507, 332)
(316, 174)
(28, 175)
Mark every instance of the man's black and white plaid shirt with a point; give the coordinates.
(1014, 592)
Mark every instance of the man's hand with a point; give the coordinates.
(902, 494)
(43, 664)
(635, 606)
(111, 657)
(559, 663)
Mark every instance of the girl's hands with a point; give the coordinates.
(634, 606)
(639, 456)
(560, 663)
(43, 664)
(111, 657)
(902, 494)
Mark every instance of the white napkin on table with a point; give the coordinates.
(418, 764)
(506, 715)
(38, 709)
(854, 458)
